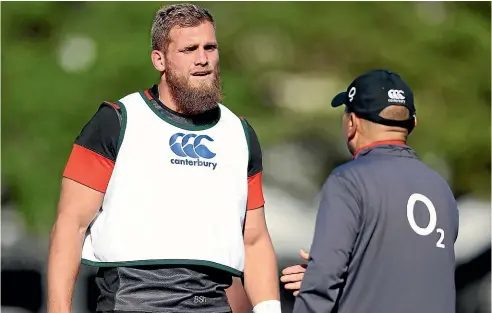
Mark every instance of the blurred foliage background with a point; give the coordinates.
(280, 62)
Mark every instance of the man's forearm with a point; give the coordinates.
(63, 264)
(260, 273)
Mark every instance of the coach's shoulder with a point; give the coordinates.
(346, 170)
(341, 185)
(346, 175)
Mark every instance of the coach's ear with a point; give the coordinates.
(353, 125)
(158, 60)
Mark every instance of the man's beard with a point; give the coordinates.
(191, 100)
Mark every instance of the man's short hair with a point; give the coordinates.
(181, 15)
(395, 113)
(392, 112)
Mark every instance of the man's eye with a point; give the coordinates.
(188, 49)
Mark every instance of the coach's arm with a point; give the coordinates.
(260, 270)
(337, 226)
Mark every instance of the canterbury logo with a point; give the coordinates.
(395, 94)
(190, 145)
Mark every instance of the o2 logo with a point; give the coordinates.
(432, 220)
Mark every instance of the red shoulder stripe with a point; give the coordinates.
(147, 93)
(114, 105)
(255, 192)
(89, 168)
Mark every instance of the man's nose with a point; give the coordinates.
(201, 57)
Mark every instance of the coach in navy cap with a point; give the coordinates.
(381, 97)
(387, 223)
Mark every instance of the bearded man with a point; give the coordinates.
(163, 191)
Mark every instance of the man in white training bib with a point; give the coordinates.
(163, 191)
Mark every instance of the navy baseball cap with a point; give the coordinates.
(372, 92)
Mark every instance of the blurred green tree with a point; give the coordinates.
(60, 60)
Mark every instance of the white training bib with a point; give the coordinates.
(177, 194)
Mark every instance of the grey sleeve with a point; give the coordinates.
(337, 226)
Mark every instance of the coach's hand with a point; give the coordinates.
(293, 275)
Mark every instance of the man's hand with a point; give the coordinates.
(293, 275)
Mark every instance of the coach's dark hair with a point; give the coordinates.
(182, 15)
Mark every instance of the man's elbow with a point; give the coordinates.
(317, 293)
(67, 223)
(304, 304)
(260, 251)
(257, 238)
(311, 300)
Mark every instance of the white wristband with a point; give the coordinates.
(269, 306)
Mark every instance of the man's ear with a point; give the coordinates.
(353, 124)
(158, 60)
